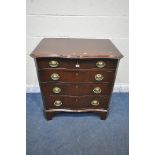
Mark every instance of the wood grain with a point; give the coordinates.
(76, 89)
(76, 102)
(43, 63)
(76, 48)
(76, 84)
(76, 75)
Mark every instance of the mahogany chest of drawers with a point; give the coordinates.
(76, 75)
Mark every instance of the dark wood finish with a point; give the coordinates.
(76, 102)
(67, 75)
(49, 115)
(103, 115)
(76, 83)
(76, 89)
(76, 48)
(71, 63)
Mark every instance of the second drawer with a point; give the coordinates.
(94, 75)
(76, 89)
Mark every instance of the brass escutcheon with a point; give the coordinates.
(77, 64)
(99, 77)
(95, 102)
(97, 90)
(100, 64)
(56, 90)
(55, 76)
(53, 63)
(57, 103)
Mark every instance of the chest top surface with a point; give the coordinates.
(76, 48)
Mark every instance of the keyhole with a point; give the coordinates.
(77, 65)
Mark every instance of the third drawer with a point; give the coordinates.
(76, 89)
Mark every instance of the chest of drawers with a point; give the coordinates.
(76, 75)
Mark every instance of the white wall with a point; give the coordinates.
(77, 19)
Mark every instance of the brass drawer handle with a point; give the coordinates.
(56, 90)
(95, 102)
(53, 63)
(58, 103)
(100, 64)
(55, 76)
(97, 90)
(99, 77)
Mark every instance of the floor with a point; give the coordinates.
(78, 134)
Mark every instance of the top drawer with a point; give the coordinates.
(75, 63)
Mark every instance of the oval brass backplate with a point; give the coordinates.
(100, 64)
(97, 90)
(99, 77)
(57, 103)
(55, 76)
(53, 63)
(56, 90)
(95, 102)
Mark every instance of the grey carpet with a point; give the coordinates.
(78, 134)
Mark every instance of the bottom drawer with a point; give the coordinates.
(76, 102)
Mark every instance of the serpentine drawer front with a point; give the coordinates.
(72, 63)
(76, 75)
(80, 102)
(76, 89)
(86, 75)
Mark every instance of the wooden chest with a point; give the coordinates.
(76, 75)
